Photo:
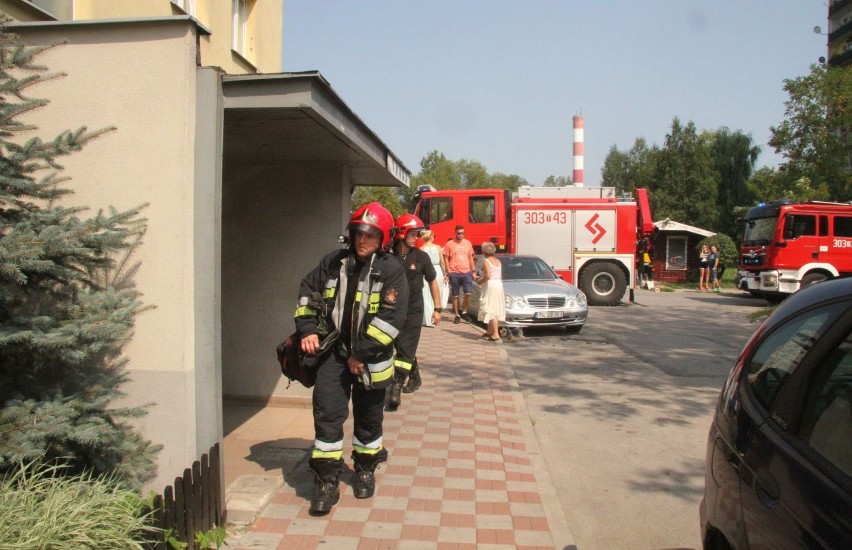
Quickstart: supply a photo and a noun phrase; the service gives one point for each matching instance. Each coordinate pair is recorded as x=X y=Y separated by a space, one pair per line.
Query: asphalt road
x=621 y=412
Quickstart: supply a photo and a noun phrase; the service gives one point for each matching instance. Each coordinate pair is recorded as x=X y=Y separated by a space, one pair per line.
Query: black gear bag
x=299 y=366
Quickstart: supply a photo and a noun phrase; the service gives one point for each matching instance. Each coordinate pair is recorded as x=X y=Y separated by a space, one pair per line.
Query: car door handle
x=766 y=489
x=733 y=461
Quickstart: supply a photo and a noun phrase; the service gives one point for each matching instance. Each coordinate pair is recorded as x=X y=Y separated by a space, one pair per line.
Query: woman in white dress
x=440 y=264
x=492 y=304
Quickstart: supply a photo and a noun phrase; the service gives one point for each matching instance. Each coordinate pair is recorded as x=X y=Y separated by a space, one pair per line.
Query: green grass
x=42 y=509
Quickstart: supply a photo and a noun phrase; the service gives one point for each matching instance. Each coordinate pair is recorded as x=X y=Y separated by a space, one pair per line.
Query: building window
x=676 y=253
x=240 y=30
x=188 y=6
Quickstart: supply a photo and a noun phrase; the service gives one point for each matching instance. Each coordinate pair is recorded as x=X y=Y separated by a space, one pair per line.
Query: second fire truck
x=787 y=245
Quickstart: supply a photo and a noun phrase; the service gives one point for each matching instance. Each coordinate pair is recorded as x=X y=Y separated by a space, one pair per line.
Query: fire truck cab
x=788 y=245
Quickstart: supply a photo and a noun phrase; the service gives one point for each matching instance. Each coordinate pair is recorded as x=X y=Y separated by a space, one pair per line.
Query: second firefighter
x=418 y=268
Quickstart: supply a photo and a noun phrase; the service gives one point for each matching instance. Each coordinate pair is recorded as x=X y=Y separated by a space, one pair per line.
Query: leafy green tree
x=770 y=184
x=66 y=306
x=814 y=136
x=630 y=170
x=557 y=181
x=504 y=181
x=473 y=174
x=684 y=187
x=390 y=197
x=439 y=172
x=734 y=156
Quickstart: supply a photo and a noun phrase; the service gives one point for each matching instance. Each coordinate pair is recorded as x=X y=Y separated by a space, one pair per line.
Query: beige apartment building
x=247 y=173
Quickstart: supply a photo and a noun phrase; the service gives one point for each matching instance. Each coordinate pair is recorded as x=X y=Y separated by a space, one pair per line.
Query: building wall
x=264 y=24
x=141 y=78
x=270 y=240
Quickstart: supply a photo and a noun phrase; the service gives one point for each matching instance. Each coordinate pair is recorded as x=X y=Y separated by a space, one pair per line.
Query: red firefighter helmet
x=406 y=223
x=372 y=217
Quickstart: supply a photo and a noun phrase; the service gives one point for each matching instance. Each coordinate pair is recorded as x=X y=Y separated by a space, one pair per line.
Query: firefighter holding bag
x=365 y=297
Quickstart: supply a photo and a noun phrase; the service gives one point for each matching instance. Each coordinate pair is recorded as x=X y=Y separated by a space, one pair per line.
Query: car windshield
x=526 y=269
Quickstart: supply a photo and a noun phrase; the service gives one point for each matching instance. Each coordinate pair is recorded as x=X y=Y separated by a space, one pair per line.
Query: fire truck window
x=441 y=209
x=800 y=226
x=823 y=226
x=481 y=209
x=842 y=226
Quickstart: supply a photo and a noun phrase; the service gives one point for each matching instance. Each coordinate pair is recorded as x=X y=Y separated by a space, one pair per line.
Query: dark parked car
x=535 y=295
x=778 y=472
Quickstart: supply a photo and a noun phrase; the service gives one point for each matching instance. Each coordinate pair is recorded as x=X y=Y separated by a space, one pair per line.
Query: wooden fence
x=192 y=504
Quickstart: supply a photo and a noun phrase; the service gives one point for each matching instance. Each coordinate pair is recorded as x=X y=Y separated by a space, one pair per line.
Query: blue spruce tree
x=67 y=304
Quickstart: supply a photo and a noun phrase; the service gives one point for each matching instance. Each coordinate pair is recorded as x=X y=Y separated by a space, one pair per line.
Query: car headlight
x=581 y=299
x=514 y=303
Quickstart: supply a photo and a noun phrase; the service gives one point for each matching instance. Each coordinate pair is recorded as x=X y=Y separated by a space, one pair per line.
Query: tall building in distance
x=840 y=33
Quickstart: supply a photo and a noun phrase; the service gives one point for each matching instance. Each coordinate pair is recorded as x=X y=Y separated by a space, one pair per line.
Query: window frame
x=670 y=240
x=239 y=27
x=188 y=6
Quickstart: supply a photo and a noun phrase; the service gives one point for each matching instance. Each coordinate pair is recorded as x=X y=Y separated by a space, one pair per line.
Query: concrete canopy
x=286 y=117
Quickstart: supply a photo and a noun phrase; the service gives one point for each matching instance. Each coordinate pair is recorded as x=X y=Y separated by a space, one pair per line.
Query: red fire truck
x=787 y=245
x=588 y=235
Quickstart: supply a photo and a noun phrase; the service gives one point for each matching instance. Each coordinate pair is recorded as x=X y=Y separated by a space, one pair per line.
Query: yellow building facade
x=244 y=35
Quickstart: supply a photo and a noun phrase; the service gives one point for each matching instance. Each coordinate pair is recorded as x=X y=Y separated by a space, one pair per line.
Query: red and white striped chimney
x=578 y=150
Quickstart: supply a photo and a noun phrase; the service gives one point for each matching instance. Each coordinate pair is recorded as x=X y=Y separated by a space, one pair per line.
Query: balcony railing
x=841 y=32
x=837 y=6
x=840 y=60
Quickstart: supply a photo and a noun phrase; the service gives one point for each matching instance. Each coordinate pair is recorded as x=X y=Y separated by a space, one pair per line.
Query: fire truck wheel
x=812 y=279
x=603 y=283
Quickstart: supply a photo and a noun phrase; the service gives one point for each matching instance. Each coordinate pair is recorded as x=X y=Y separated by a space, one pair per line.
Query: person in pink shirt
x=459 y=255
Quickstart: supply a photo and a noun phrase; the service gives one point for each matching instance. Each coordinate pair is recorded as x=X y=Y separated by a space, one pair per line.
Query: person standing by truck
x=459 y=255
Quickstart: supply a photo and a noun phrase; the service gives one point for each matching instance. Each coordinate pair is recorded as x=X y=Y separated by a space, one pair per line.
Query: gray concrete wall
x=278 y=221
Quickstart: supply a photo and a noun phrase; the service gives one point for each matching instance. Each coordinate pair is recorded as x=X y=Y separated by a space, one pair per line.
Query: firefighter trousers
x=334 y=388
x=406 y=344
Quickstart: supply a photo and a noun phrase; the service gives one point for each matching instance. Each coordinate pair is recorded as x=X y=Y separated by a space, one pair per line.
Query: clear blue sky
x=499 y=81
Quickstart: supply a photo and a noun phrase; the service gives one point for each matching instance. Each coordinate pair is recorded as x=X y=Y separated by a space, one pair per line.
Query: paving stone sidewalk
x=464 y=468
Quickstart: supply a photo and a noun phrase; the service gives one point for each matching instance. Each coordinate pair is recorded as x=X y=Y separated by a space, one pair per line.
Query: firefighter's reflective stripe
x=330 y=289
x=403 y=365
x=375 y=299
x=371 y=448
x=382 y=331
x=303 y=310
x=380 y=372
x=327 y=450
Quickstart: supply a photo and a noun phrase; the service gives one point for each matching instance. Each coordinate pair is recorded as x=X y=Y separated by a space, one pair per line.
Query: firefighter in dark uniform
x=360 y=291
x=418 y=267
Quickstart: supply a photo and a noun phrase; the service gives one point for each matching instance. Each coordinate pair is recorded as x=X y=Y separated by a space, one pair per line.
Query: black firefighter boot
x=414 y=381
x=326 y=491
x=395 y=390
x=364 y=481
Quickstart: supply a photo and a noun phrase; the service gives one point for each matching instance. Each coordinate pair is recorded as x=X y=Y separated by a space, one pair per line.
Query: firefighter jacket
x=378 y=309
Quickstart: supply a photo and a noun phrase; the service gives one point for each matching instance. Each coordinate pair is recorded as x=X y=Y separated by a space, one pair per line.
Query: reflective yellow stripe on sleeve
x=305 y=311
x=380 y=372
x=379 y=335
x=404 y=365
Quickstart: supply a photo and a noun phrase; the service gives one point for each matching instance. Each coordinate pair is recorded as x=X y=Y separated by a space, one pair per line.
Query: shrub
x=42 y=508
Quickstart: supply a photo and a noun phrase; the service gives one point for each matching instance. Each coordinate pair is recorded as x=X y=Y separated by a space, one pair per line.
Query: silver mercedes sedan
x=535 y=295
